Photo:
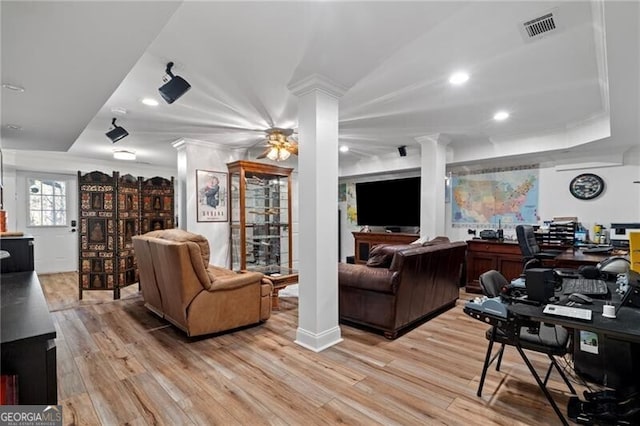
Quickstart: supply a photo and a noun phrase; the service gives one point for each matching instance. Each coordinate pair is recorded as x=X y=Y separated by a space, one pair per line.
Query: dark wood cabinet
x=483 y=255
x=366 y=240
x=21 y=250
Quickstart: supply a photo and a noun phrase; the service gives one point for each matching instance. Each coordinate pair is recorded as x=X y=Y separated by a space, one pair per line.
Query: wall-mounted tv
x=389 y=202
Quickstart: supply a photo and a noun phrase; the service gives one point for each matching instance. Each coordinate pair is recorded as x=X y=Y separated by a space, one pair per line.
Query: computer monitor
x=633 y=289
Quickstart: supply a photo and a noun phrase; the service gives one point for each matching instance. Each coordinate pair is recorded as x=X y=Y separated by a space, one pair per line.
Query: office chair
x=551 y=340
x=531 y=252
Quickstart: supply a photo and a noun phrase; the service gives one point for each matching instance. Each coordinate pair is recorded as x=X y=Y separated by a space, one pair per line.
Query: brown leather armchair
x=179 y=284
x=401 y=285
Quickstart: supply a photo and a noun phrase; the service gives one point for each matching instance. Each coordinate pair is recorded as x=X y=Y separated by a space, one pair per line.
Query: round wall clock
x=586 y=186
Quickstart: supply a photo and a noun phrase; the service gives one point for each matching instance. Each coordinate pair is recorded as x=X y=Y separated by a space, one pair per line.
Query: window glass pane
x=47 y=218
x=47 y=188
x=34 y=219
x=61 y=188
x=61 y=218
x=35 y=202
x=59 y=203
x=47 y=202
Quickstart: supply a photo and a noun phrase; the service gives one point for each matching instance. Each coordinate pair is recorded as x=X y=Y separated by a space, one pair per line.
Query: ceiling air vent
x=539 y=27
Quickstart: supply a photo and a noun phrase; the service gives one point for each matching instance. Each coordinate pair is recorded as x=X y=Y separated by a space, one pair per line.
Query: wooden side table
x=280 y=277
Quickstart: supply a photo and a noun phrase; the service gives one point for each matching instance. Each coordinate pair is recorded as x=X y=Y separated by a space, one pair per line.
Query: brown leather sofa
x=401 y=285
x=179 y=284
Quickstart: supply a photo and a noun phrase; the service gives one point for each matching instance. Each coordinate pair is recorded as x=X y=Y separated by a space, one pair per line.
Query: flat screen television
x=389 y=202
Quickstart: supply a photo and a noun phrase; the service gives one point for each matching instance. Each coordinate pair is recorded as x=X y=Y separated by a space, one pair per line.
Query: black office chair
x=523 y=335
x=531 y=252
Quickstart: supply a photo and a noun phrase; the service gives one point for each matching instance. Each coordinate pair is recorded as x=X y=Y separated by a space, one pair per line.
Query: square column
x=318 y=326
x=433 y=170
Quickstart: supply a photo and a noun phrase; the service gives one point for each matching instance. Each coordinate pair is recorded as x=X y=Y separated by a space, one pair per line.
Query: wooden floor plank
x=118 y=363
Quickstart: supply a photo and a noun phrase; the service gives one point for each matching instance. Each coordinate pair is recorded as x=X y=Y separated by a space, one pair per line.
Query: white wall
x=16 y=162
x=199 y=156
x=205 y=156
x=619 y=203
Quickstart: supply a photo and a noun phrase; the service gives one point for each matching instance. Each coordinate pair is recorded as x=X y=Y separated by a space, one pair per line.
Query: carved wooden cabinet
x=483 y=255
x=260 y=216
x=366 y=240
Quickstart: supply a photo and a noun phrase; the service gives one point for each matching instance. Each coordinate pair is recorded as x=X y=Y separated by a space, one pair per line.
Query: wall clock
x=586 y=186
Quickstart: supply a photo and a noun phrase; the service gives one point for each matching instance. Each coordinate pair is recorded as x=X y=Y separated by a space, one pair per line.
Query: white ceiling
x=78 y=60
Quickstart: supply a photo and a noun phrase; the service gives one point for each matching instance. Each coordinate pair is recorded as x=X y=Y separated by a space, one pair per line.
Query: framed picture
x=212 y=196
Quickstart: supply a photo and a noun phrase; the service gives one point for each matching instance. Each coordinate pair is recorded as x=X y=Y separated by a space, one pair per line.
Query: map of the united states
x=488 y=198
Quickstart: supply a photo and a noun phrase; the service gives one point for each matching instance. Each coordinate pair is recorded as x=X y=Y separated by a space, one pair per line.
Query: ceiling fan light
x=273 y=154
x=283 y=154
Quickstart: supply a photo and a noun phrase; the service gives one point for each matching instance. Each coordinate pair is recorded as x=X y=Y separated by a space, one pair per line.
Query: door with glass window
x=49 y=213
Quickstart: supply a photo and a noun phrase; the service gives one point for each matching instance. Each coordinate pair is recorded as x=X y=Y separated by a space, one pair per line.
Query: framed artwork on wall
x=212 y=196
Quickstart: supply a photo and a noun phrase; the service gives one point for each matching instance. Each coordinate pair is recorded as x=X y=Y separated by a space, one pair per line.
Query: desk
x=571 y=258
x=506 y=258
x=623 y=327
x=612 y=363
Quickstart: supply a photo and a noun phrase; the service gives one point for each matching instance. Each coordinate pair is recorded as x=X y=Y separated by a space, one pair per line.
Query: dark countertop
x=24 y=314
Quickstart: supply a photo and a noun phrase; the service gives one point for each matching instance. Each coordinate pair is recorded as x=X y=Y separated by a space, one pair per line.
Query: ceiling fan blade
x=264 y=154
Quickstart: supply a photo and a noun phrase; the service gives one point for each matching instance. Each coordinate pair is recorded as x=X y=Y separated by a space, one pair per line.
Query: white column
x=181 y=183
x=318 y=326
x=433 y=170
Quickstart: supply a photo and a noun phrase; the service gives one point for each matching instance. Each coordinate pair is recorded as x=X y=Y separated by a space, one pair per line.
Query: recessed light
x=458 y=78
x=13 y=127
x=13 y=87
x=124 y=155
x=150 y=102
x=119 y=110
x=344 y=148
x=501 y=115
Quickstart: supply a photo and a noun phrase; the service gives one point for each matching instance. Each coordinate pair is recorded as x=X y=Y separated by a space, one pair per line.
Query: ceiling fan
x=279 y=145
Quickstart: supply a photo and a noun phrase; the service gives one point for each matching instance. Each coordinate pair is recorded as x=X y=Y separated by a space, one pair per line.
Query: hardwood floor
x=120 y=364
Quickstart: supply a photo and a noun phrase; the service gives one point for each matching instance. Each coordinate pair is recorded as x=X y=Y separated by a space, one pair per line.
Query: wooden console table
x=366 y=240
x=28 y=339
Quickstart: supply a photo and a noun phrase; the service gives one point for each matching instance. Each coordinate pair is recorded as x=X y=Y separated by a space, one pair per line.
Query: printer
x=619 y=234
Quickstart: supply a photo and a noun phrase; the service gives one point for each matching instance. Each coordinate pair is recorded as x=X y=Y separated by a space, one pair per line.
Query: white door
x=55 y=247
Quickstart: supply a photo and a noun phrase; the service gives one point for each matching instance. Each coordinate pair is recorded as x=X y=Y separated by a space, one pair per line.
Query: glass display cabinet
x=260 y=201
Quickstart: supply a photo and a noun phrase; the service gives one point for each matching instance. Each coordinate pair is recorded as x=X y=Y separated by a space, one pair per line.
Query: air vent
x=539 y=27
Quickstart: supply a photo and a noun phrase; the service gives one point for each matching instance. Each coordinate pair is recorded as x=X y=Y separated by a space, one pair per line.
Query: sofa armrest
x=228 y=282
x=364 y=277
x=267 y=287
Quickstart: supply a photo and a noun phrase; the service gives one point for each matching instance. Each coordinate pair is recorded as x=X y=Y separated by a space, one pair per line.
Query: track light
x=174 y=88
x=402 y=150
x=117 y=132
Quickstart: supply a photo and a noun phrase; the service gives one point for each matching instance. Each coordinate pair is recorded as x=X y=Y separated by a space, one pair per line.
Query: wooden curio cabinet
x=260 y=216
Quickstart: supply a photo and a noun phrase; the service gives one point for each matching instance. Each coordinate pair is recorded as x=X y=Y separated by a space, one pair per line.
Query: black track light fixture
x=117 y=132
x=174 y=88
x=402 y=150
